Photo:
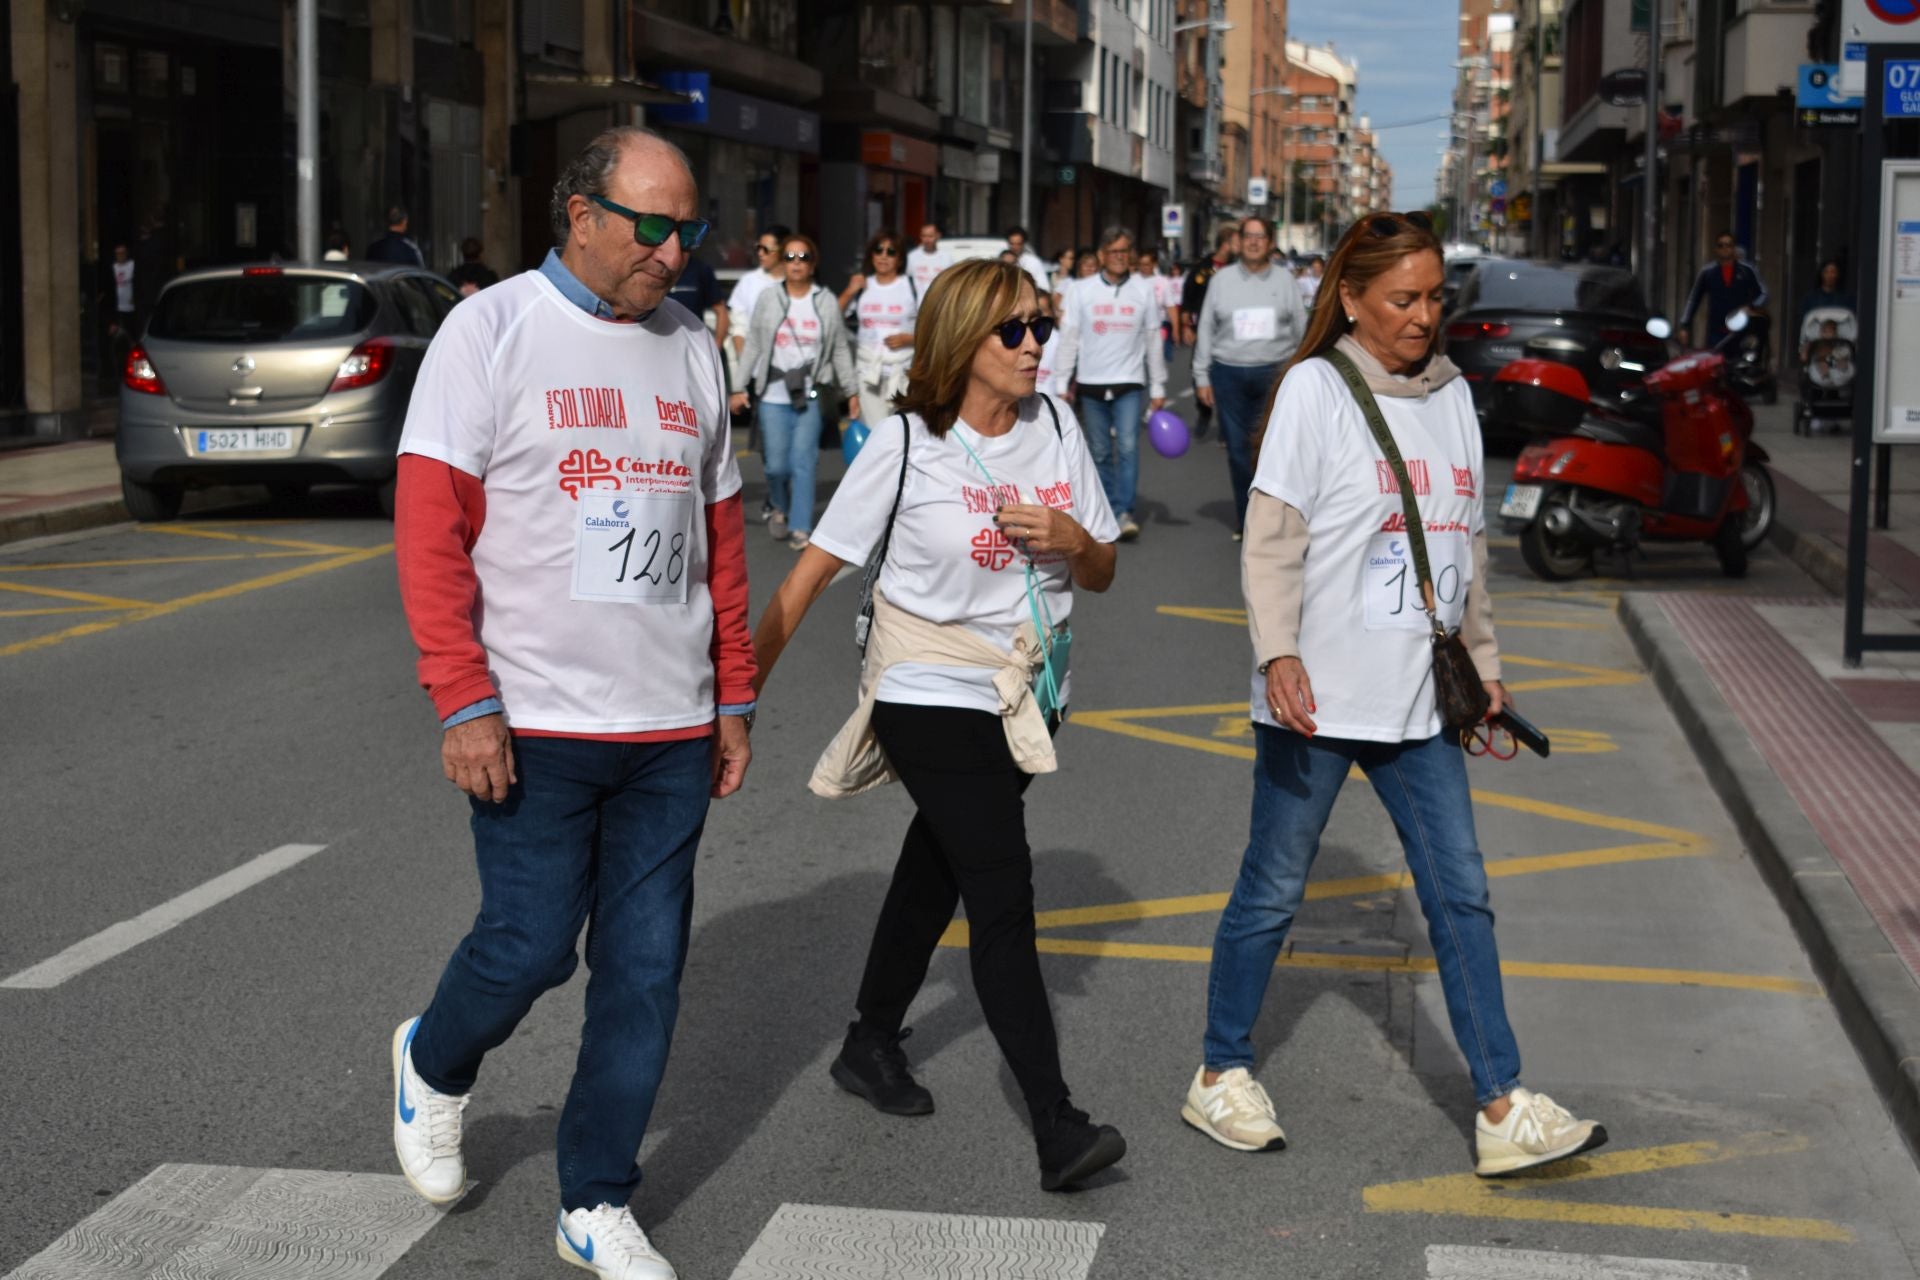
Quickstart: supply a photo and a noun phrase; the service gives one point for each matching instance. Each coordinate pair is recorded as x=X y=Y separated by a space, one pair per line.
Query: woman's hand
x=1204 y=395
x=895 y=341
x=1041 y=528
x=1498 y=699
x=737 y=402
x=1290 y=695
x=853 y=407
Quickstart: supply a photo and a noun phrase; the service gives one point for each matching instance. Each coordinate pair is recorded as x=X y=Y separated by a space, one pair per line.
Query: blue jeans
x=1239 y=394
x=790 y=440
x=1424 y=788
x=604 y=832
x=1113 y=438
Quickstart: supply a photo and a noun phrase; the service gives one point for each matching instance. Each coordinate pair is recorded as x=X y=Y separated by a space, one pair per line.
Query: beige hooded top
x=1273 y=562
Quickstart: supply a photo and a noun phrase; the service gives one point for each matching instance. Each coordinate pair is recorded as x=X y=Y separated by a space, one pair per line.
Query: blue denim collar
x=573 y=291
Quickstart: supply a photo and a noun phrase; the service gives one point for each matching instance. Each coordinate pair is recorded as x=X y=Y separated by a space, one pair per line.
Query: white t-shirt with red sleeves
x=1363 y=633
x=886 y=310
x=796 y=343
x=948 y=561
x=600 y=445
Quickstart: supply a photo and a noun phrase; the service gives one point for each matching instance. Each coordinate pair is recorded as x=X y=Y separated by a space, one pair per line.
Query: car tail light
x=1473 y=330
x=367 y=365
x=261 y=271
x=140 y=375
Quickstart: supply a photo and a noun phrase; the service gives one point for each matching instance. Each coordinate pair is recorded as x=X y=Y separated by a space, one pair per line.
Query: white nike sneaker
x=426 y=1126
x=1236 y=1112
x=608 y=1242
x=1536 y=1131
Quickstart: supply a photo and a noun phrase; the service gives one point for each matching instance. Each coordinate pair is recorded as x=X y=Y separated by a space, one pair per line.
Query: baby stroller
x=1827 y=336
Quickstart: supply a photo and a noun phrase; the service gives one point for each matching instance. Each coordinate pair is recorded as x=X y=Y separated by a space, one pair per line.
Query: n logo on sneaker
x=586 y=1254
x=406 y=1050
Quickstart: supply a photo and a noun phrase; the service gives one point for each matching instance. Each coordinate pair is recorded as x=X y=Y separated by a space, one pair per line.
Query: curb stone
x=100 y=512
x=1825 y=562
x=1877 y=999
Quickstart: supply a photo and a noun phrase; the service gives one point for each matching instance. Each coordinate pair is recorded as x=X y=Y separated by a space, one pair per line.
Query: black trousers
x=967 y=843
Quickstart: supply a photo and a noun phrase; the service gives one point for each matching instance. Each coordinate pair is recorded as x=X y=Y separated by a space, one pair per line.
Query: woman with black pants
x=986 y=511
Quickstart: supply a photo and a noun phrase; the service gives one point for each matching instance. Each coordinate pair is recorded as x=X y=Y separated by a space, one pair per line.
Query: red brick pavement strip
x=1883 y=701
x=1862 y=799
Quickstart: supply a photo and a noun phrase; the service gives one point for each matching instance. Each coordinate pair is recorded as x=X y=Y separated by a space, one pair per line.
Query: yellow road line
x=83 y=597
x=1232 y=617
x=199 y=598
x=1543 y=624
x=1464 y=1195
x=143 y=561
x=68 y=608
x=196 y=531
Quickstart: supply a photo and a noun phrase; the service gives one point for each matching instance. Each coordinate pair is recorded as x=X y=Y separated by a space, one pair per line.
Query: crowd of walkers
x=981 y=503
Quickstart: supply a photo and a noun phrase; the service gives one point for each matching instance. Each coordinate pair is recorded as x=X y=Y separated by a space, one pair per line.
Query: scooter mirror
x=1737 y=321
x=1659 y=328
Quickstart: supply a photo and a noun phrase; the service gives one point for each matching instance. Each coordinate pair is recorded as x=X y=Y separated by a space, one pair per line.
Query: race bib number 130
x=1393 y=581
x=632 y=548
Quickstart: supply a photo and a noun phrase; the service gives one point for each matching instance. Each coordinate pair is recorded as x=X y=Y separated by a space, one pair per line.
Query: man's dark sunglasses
x=1014 y=332
x=1388 y=225
x=654 y=229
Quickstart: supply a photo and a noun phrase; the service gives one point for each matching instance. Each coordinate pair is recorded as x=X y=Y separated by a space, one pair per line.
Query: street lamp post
x=307 y=129
x=1026 y=120
x=1215 y=22
x=1286 y=167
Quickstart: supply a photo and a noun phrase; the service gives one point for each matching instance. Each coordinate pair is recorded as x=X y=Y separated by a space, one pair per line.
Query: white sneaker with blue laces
x=426 y=1126
x=608 y=1242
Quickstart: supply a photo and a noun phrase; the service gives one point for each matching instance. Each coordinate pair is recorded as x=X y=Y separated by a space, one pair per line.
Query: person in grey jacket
x=1249 y=327
x=795 y=342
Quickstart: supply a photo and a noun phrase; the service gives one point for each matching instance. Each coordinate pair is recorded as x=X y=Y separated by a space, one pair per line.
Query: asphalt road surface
x=180 y=700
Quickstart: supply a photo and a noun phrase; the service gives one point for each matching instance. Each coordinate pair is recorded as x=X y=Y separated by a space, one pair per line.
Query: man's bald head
x=593 y=171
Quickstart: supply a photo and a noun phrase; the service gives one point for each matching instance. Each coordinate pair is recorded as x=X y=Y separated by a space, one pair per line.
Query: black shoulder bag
x=1457 y=688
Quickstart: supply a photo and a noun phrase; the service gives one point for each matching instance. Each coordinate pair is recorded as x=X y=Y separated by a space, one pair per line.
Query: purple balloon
x=1167 y=433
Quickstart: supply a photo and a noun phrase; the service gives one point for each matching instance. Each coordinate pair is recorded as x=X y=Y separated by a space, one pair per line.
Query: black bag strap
x=1370 y=409
x=899 y=491
x=1053 y=413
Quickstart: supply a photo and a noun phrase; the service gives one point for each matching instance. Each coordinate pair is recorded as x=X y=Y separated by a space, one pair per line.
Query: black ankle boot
x=1072 y=1148
x=872 y=1064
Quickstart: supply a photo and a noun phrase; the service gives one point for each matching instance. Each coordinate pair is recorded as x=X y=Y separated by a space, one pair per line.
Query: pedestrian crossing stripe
x=1474 y=1262
x=804 y=1240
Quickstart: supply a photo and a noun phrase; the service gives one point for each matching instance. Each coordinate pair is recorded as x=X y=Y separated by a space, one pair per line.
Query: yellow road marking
x=197 y=531
x=1584 y=676
x=83 y=597
x=1581 y=742
x=68 y=608
x=1468 y=1196
x=1232 y=617
x=144 y=613
x=1504 y=622
x=143 y=561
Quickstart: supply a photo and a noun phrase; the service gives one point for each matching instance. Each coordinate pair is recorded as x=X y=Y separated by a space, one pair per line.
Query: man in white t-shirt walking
x=566 y=461
x=927 y=259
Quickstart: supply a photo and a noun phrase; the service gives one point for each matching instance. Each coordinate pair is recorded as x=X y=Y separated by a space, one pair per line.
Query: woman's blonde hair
x=962 y=307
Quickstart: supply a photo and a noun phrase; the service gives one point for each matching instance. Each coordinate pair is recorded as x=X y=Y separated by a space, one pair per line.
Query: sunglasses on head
x=798 y=257
x=1014 y=332
x=655 y=229
x=1388 y=225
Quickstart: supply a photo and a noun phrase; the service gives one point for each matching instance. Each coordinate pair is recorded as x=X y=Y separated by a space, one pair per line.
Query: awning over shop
x=551 y=95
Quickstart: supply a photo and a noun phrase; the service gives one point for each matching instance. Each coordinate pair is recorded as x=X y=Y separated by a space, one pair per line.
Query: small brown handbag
x=1457 y=689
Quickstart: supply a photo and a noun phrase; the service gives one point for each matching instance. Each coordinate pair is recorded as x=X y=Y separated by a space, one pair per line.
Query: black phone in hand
x=1524 y=732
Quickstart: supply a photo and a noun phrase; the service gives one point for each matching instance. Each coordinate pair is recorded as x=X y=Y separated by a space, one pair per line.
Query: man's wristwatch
x=747 y=720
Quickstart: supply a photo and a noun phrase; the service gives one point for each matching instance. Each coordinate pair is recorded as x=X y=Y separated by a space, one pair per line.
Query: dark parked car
x=286 y=376
x=1590 y=317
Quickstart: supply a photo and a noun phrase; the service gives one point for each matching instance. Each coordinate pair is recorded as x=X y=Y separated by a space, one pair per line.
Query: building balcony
x=661 y=42
x=1055 y=22
x=1762 y=47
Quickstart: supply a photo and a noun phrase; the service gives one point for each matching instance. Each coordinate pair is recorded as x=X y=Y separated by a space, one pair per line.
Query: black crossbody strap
x=900 y=489
x=1053 y=413
x=1370 y=409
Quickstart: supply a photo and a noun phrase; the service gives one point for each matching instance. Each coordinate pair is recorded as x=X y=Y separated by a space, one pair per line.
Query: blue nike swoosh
x=586 y=1254
x=406 y=1112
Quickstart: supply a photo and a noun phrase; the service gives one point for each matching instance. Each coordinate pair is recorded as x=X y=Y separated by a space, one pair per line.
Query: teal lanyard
x=1036 y=598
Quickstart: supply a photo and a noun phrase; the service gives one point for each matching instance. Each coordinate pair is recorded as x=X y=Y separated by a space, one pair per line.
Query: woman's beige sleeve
x=1273 y=575
x=1476 y=623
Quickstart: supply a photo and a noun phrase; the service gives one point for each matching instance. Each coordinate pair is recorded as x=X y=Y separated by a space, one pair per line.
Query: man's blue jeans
x=1239 y=394
x=790 y=441
x=1113 y=438
x=1424 y=788
x=599 y=832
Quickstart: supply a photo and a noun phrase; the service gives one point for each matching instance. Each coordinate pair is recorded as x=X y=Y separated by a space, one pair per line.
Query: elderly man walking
x=572 y=563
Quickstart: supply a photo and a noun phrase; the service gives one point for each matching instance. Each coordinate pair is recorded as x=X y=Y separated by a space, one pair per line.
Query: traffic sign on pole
x=1173 y=221
x=1257 y=192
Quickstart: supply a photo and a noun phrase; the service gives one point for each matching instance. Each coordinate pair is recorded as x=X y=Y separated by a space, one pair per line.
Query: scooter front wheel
x=1757 y=520
x=1553 y=559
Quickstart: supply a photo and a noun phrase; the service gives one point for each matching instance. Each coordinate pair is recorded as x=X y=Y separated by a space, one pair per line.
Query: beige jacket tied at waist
x=853 y=762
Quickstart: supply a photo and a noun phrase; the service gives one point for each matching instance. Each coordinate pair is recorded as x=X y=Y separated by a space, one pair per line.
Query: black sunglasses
x=1388 y=225
x=799 y=257
x=655 y=229
x=1014 y=332
x=887 y=249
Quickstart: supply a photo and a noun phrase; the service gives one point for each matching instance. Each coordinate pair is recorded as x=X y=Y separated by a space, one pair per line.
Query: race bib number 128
x=632 y=548
x=1393 y=581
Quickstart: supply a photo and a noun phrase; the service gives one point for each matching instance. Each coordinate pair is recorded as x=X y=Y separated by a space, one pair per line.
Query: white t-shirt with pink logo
x=948 y=561
x=796 y=343
x=886 y=310
x=924 y=266
x=1363 y=634
x=600 y=446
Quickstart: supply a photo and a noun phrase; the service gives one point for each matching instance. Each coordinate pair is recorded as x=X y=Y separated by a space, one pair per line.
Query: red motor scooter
x=1677 y=464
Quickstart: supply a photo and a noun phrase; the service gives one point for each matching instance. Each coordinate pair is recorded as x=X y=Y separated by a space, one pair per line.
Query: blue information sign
x=1820 y=89
x=1903 y=91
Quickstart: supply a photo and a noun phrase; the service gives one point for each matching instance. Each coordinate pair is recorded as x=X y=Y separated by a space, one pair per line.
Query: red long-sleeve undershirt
x=439 y=511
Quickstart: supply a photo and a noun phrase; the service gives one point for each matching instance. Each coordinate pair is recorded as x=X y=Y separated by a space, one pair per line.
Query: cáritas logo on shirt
x=591 y=469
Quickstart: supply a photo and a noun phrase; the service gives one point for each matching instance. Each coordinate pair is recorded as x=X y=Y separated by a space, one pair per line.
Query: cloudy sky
x=1405 y=49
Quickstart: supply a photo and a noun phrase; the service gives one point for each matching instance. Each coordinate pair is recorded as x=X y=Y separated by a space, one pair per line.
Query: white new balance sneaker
x=426 y=1126
x=1236 y=1112
x=1536 y=1131
x=608 y=1242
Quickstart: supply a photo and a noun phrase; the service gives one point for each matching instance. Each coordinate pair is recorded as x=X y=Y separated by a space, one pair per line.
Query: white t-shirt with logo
x=924 y=266
x=600 y=446
x=1363 y=634
x=1116 y=332
x=948 y=561
x=796 y=343
x=746 y=292
x=886 y=310
x=123 y=285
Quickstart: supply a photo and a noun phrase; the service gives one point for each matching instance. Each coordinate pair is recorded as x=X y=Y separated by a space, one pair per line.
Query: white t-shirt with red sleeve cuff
x=603 y=453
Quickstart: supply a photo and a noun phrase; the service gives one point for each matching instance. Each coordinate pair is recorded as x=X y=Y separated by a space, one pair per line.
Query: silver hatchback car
x=282 y=375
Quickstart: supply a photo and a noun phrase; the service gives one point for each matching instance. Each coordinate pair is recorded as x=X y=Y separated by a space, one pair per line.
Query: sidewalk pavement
x=1818 y=764
x=61 y=488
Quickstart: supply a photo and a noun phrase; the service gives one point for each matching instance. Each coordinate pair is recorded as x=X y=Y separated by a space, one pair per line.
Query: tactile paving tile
x=1472 y=1262
x=819 y=1242
x=213 y=1222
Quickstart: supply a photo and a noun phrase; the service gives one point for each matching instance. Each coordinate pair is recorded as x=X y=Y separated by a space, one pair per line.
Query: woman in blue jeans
x=1350 y=614
x=797 y=351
